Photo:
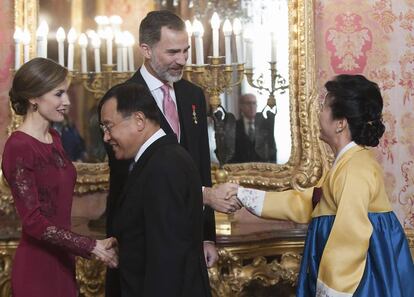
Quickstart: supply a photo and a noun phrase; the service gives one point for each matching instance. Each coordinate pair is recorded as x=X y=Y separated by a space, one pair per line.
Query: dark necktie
x=250 y=131
x=131 y=166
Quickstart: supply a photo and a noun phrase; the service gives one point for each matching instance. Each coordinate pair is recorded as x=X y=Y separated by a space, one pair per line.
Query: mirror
x=303 y=166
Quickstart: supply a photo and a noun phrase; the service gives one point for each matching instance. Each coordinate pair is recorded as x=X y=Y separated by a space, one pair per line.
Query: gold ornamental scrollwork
x=92 y=177
x=90 y=275
x=230 y=276
x=7 y=250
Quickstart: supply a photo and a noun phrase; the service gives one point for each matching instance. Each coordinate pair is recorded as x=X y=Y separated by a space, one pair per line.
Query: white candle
x=41 y=36
x=102 y=22
x=60 y=37
x=273 y=51
x=109 y=35
x=118 y=41
x=115 y=21
x=237 y=30
x=190 y=33
x=45 y=41
x=72 y=35
x=129 y=40
x=249 y=49
x=215 y=25
x=17 y=36
x=124 y=58
x=227 y=30
x=83 y=43
x=198 y=32
x=26 y=45
x=96 y=44
x=124 y=42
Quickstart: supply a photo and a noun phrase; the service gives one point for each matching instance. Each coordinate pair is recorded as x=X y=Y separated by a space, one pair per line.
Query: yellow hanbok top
x=352 y=188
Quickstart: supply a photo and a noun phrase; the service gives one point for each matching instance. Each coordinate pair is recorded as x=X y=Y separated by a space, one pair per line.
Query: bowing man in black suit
x=164 y=44
x=158 y=217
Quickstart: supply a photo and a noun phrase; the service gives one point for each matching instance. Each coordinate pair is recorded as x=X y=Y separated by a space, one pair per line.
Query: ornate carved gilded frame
x=304 y=166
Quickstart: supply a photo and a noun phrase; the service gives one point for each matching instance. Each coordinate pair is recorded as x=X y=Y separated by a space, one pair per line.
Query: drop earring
x=35 y=107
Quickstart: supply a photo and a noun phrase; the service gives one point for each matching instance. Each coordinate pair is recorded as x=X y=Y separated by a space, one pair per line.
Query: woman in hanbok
x=42 y=179
x=355 y=245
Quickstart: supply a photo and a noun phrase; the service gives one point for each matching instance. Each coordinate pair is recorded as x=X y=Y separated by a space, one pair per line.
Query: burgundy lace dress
x=42 y=179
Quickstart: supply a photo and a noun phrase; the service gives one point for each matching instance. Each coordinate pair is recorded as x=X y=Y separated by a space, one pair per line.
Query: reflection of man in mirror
x=254 y=133
x=163 y=42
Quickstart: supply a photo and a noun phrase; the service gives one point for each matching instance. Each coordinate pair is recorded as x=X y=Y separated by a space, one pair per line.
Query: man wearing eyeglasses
x=158 y=218
x=182 y=106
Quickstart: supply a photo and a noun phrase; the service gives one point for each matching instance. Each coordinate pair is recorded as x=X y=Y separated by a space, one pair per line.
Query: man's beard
x=163 y=73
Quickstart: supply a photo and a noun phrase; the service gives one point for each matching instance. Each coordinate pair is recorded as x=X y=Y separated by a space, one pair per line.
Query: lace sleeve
x=251 y=199
x=77 y=244
x=18 y=169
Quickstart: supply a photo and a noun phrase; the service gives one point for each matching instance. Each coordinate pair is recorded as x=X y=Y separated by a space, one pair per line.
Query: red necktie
x=170 y=110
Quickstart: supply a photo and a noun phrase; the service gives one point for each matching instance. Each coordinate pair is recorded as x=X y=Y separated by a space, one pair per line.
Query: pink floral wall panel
x=376 y=39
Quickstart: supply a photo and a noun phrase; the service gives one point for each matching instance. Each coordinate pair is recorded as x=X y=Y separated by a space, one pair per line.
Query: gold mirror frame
x=305 y=164
x=304 y=167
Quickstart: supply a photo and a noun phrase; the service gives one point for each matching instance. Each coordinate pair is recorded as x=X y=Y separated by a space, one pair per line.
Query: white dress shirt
x=157 y=135
x=154 y=85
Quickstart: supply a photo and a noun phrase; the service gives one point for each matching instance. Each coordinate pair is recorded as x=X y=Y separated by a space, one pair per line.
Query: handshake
x=229 y=197
x=106 y=250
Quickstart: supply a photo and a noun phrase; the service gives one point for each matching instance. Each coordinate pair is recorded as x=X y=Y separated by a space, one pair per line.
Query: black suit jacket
x=194 y=139
x=262 y=148
x=158 y=224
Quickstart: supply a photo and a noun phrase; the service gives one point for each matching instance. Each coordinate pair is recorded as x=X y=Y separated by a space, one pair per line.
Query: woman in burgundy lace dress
x=42 y=179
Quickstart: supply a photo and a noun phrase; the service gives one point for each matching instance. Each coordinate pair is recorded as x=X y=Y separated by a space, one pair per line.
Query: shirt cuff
x=202 y=191
x=252 y=199
x=209 y=241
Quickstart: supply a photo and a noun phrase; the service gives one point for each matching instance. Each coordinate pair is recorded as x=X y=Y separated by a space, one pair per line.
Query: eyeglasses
x=107 y=128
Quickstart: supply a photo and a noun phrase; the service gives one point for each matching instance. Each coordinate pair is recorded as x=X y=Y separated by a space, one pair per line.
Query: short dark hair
x=132 y=97
x=34 y=79
x=359 y=101
x=150 y=27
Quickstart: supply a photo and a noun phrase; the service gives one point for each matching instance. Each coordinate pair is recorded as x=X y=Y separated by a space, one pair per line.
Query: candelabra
x=97 y=83
x=277 y=83
x=214 y=78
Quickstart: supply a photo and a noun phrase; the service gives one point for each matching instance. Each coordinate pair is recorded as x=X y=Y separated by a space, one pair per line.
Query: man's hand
x=222 y=198
x=106 y=250
x=210 y=253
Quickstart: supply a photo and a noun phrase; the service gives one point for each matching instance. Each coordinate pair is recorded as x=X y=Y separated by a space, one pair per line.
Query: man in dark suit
x=158 y=217
x=254 y=133
x=164 y=45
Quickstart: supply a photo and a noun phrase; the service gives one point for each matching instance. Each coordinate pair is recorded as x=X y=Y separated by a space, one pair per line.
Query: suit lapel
x=184 y=112
x=142 y=161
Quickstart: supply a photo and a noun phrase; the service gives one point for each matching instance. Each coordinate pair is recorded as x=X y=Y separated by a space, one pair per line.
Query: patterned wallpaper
x=376 y=39
x=372 y=37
